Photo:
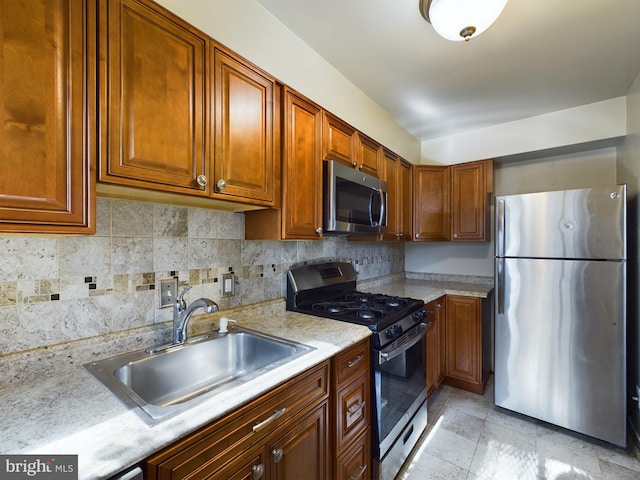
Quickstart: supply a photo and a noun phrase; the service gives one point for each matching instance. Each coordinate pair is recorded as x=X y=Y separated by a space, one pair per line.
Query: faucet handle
x=180 y=302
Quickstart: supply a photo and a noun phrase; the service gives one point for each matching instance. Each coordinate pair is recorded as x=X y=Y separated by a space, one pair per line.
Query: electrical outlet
x=168 y=292
x=228 y=284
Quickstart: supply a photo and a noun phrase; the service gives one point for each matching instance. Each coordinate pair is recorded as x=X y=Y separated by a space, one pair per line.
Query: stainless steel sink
x=167 y=382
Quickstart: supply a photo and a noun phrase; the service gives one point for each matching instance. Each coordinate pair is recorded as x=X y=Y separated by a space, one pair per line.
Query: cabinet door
x=302 y=451
x=468 y=200
x=46 y=179
x=464 y=339
x=245 y=166
x=405 y=213
x=431 y=203
x=353 y=410
x=355 y=464
x=250 y=465
x=338 y=140
x=369 y=155
x=302 y=169
x=436 y=346
x=394 y=195
x=153 y=93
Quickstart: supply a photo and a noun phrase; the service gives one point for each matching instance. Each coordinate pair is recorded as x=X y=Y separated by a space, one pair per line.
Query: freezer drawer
x=560 y=343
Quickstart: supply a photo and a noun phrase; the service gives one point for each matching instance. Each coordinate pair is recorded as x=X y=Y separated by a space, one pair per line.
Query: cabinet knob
x=319 y=230
x=202 y=180
x=417 y=235
x=455 y=235
x=354 y=164
x=221 y=184
x=277 y=454
x=257 y=471
x=360 y=167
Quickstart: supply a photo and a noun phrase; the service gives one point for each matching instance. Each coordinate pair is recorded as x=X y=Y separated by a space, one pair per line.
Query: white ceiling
x=540 y=56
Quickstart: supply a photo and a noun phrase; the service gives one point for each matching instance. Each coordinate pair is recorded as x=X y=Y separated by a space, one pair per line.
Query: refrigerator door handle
x=500 y=229
x=500 y=284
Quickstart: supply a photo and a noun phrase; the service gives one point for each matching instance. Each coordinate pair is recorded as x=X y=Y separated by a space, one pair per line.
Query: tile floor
x=469 y=439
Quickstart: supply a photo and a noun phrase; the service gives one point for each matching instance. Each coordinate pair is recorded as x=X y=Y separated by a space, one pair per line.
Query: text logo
x=39 y=467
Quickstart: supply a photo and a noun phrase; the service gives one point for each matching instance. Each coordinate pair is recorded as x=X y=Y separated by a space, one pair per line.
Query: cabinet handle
x=202 y=180
x=277 y=454
x=319 y=230
x=257 y=471
x=259 y=426
x=360 y=473
x=356 y=408
x=221 y=184
x=355 y=361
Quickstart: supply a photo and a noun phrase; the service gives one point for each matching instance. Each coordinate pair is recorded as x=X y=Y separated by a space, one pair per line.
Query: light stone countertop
x=50 y=405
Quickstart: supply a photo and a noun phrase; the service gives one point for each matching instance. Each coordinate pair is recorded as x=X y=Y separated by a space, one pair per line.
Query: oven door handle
x=385 y=356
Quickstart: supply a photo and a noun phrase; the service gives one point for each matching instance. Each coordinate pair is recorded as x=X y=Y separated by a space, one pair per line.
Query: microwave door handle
x=383 y=206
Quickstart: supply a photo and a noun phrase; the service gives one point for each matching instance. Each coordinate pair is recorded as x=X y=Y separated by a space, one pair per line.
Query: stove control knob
x=389 y=333
x=399 y=330
x=419 y=316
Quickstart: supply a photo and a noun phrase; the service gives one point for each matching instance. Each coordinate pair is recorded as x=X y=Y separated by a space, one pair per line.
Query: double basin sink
x=172 y=379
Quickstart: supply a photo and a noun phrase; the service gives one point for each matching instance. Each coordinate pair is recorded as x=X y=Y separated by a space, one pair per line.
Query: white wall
x=587 y=123
x=251 y=31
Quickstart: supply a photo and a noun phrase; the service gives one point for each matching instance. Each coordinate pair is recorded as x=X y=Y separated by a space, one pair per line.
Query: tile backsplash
x=59 y=289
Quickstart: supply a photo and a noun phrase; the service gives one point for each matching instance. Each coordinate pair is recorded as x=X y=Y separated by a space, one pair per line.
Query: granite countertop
x=50 y=405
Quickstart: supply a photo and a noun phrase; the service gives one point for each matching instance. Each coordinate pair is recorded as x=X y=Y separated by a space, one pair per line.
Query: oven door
x=400 y=384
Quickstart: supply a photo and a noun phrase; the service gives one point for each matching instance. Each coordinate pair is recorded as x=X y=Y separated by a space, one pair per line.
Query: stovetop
x=329 y=290
x=374 y=310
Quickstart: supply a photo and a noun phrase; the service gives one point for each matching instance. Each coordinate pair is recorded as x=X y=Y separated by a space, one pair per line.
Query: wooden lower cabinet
x=355 y=462
x=435 y=339
x=352 y=414
x=293 y=417
x=466 y=362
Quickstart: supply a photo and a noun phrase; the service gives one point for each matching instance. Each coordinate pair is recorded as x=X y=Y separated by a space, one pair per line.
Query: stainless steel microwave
x=355 y=203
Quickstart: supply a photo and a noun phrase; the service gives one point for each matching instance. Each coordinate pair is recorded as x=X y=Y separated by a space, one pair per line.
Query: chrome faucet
x=182 y=313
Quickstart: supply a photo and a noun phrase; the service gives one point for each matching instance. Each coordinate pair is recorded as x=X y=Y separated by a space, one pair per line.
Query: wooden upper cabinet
x=450 y=203
x=390 y=169
x=431 y=203
x=405 y=213
x=398 y=175
x=152 y=91
x=246 y=159
x=301 y=214
x=47 y=135
x=470 y=183
x=339 y=140
x=302 y=168
x=368 y=155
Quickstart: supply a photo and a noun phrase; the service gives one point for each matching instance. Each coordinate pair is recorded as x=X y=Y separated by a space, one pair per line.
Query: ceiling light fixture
x=461 y=19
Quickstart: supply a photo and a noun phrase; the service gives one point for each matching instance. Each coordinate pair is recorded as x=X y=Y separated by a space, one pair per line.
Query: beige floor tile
x=469 y=402
x=429 y=467
x=461 y=423
x=497 y=460
x=612 y=471
x=524 y=425
x=450 y=447
x=496 y=434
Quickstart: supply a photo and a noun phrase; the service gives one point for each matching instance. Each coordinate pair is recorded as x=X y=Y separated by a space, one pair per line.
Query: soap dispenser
x=224 y=321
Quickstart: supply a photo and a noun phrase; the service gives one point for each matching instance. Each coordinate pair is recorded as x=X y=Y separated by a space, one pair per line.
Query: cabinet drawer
x=355 y=463
x=211 y=447
x=352 y=361
x=353 y=410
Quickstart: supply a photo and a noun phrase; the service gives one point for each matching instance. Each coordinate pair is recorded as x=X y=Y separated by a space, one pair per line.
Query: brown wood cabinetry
x=246 y=140
x=436 y=346
x=450 y=203
x=398 y=175
x=464 y=365
x=369 y=155
x=47 y=140
x=180 y=113
x=301 y=214
x=470 y=183
x=153 y=92
x=280 y=434
x=431 y=215
x=339 y=140
x=352 y=433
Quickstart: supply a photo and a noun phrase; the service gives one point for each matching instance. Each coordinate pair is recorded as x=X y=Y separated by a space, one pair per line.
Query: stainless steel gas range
x=398 y=352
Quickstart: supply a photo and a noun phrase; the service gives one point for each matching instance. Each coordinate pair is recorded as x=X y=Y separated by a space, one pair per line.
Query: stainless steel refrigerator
x=560 y=318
